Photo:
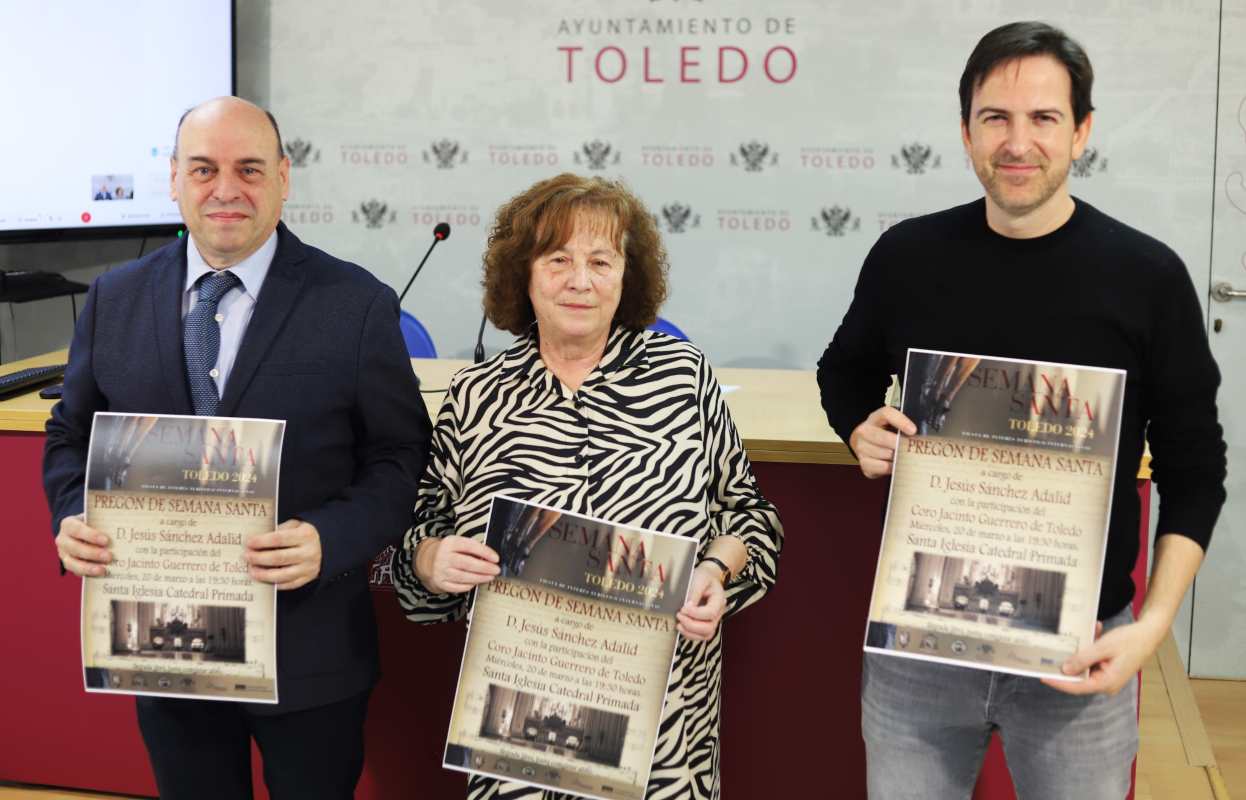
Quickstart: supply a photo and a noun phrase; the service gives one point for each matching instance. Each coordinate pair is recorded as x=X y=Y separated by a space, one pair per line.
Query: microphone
x=478 y=357
x=441 y=232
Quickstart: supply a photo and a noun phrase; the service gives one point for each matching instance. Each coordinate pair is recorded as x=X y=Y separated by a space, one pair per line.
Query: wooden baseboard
x=1184 y=707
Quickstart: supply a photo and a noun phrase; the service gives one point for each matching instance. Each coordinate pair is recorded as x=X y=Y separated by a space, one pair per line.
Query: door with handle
x=1218 y=624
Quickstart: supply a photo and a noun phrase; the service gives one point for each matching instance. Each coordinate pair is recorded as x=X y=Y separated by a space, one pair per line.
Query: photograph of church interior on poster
x=549 y=724
x=985 y=591
x=178 y=631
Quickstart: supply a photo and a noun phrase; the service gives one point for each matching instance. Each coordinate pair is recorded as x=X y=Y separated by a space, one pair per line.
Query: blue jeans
x=927 y=727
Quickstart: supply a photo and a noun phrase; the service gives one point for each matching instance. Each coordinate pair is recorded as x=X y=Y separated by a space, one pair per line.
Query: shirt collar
x=250 y=271
x=625 y=348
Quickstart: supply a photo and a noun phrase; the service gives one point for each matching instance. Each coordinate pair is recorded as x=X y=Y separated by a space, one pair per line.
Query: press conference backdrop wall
x=774 y=141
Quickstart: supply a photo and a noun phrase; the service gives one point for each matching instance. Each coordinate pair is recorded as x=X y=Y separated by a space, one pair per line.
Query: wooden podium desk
x=792 y=662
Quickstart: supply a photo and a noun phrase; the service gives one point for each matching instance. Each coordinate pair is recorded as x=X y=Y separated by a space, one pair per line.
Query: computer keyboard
x=24 y=380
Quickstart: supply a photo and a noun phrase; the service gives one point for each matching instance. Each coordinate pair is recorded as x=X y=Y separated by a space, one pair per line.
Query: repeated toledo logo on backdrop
x=304 y=214
x=836 y=221
x=677 y=218
x=754 y=156
x=459 y=215
x=374 y=214
x=838 y=159
x=673 y=44
x=384 y=156
x=445 y=154
x=754 y=220
x=670 y=156
x=596 y=155
x=523 y=155
x=916 y=158
x=1090 y=163
x=302 y=153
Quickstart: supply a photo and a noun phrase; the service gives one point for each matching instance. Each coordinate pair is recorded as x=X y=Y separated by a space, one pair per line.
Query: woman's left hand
x=707 y=601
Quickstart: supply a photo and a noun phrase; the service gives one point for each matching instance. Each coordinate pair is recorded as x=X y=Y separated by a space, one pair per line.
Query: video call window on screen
x=112 y=187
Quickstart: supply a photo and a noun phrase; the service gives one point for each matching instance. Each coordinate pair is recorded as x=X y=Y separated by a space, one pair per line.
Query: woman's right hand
x=454 y=564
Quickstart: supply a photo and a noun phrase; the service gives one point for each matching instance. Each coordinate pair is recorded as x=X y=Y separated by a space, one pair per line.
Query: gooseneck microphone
x=478 y=357
x=441 y=232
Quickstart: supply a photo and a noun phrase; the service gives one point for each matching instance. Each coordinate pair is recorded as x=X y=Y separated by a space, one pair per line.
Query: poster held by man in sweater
x=993 y=546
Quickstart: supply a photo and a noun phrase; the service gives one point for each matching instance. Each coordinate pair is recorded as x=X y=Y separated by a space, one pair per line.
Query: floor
x=1223 y=708
x=1193 y=734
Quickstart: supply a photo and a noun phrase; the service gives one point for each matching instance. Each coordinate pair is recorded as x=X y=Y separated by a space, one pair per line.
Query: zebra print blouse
x=647 y=441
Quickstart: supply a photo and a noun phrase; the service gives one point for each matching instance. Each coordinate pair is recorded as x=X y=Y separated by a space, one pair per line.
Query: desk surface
x=28 y=412
x=775 y=410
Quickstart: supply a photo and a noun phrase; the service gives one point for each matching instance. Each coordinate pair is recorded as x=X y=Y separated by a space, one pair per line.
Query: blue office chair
x=669 y=328
x=419 y=343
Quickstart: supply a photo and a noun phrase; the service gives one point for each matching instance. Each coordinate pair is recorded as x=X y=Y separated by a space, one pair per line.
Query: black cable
x=13 y=320
x=142 y=247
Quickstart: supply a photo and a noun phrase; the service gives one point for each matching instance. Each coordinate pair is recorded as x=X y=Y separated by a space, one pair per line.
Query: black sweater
x=1093 y=292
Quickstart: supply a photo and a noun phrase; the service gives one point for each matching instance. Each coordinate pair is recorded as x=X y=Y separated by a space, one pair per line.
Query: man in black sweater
x=1029 y=272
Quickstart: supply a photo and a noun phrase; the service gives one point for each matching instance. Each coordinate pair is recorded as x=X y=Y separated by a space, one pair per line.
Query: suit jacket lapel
x=169 y=279
x=276 y=300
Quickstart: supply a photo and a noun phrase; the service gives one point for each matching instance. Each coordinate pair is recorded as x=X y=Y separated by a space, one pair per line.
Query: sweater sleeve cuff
x=1194 y=519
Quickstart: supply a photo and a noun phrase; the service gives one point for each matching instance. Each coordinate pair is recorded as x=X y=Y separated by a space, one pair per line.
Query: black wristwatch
x=718 y=562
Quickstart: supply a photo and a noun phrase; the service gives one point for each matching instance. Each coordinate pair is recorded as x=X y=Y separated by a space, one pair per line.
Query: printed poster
x=178 y=615
x=993 y=545
x=569 y=652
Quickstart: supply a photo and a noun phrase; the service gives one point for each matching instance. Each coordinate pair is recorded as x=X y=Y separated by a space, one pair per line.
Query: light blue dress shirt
x=234 y=310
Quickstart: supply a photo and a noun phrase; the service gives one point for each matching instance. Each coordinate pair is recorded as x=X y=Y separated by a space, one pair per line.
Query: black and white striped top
x=646 y=441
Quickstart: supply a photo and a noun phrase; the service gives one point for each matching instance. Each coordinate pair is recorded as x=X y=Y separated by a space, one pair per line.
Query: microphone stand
x=428 y=253
x=478 y=357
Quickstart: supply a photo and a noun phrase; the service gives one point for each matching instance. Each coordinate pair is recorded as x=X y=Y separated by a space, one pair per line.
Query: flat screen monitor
x=92 y=95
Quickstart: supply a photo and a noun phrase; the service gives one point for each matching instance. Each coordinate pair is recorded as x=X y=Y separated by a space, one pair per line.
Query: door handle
x=1225 y=292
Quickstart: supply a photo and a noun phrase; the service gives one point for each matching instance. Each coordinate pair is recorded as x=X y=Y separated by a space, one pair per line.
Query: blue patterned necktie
x=202 y=341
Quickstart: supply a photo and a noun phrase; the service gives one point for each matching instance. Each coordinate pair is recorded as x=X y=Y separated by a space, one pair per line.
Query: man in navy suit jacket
x=306 y=338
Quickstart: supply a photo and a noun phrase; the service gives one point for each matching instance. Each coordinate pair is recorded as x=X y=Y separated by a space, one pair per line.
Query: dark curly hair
x=1018 y=40
x=543 y=218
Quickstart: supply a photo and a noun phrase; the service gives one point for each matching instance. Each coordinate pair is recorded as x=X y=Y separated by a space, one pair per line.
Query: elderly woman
x=590 y=412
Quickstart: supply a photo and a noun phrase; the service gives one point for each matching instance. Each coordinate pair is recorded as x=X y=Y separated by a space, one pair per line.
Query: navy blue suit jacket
x=322 y=351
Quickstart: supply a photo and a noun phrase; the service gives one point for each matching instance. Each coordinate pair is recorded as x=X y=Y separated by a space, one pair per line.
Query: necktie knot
x=214 y=285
